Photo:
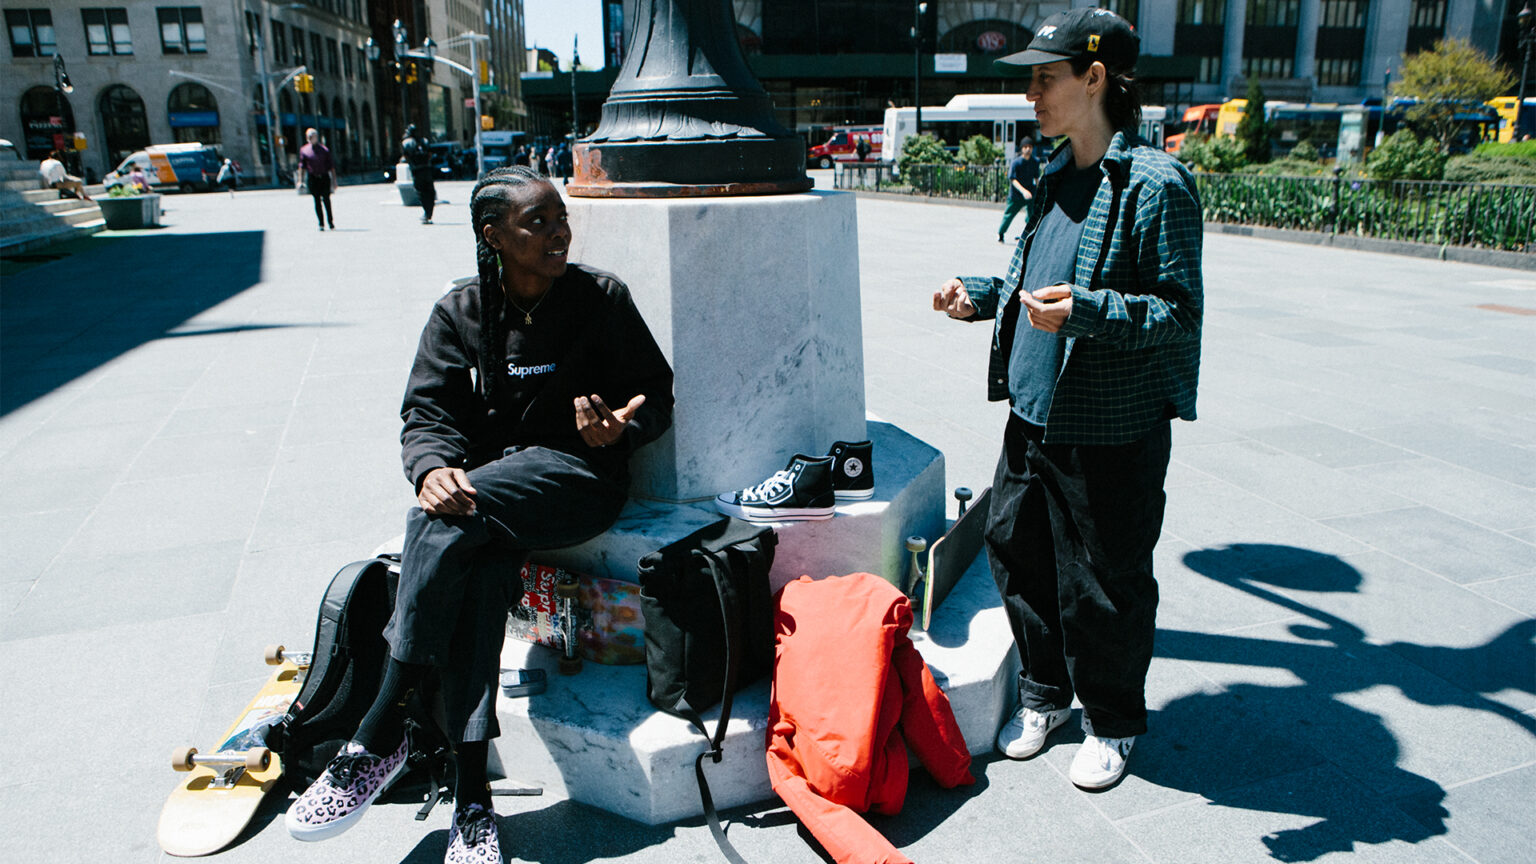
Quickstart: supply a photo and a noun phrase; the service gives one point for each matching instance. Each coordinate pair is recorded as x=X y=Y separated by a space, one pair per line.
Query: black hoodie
x=448 y=422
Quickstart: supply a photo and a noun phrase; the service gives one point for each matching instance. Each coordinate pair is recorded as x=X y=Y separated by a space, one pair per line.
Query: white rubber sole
x=774 y=514
x=316 y=833
x=854 y=494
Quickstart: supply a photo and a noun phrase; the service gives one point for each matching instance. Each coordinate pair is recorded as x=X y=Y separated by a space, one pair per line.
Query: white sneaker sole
x=774 y=514
x=854 y=494
x=316 y=833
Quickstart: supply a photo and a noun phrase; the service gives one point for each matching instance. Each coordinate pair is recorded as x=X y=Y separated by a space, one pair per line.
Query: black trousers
x=426 y=190
x=320 y=190
x=459 y=574
x=1071 y=533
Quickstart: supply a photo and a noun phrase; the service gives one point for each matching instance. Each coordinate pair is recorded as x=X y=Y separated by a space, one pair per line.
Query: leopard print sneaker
x=337 y=799
x=473 y=838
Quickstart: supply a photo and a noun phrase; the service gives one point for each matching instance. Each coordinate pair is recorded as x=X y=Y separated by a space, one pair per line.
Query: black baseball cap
x=1098 y=34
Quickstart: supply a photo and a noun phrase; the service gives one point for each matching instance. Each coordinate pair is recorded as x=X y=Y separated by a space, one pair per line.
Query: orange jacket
x=845 y=675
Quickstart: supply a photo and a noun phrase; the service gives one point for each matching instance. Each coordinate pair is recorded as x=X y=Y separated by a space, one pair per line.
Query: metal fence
x=1449 y=214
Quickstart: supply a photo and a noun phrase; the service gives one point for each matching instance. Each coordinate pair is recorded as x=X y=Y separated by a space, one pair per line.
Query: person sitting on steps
x=512 y=445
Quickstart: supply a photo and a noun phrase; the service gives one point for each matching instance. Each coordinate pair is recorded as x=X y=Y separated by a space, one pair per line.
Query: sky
x=551 y=24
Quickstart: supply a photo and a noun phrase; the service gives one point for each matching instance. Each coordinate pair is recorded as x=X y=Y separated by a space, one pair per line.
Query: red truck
x=843 y=146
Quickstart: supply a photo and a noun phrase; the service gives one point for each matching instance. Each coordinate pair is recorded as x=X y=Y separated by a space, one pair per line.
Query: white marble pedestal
x=594 y=738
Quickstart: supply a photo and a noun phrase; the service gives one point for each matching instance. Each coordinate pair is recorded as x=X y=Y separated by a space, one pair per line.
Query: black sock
x=472 y=785
x=383 y=726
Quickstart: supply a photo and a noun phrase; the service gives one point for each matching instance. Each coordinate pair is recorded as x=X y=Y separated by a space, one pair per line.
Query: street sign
x=488 y=88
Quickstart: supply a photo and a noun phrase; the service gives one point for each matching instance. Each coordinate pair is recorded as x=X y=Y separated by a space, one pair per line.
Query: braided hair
x=489 y=203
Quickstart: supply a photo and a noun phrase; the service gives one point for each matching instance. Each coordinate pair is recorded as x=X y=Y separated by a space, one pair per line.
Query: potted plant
x=130 y=205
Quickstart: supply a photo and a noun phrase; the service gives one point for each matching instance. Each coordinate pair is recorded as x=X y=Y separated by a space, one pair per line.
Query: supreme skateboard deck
x=609 y=626
x=224 y=787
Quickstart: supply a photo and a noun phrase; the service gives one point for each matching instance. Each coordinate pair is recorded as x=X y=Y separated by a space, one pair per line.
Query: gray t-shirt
x=1036 y=360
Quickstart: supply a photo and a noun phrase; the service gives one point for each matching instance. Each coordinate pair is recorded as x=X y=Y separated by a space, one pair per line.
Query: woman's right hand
x=447 y=492
x=952 y=300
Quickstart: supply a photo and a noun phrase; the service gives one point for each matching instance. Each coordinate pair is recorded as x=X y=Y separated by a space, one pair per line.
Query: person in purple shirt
x=318 y=168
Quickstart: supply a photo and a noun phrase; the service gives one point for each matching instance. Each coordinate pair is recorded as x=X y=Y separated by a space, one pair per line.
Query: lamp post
x=61 y=87
x=575 y=64
x=917 y=61
x=1527 y=39
x=398 y=29
x=429 y=53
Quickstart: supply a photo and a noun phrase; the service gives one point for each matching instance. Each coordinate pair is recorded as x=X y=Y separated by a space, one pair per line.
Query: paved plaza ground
x=198 y=427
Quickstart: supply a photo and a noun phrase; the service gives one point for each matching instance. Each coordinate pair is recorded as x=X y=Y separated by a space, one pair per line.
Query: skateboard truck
x=228 y=767
x=277 y=655
x=914 y=586
x=567 y=588
x=963 y=495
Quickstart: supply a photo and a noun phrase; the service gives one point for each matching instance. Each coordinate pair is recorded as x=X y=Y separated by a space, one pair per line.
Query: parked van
x=843 y=146
x=170 y=167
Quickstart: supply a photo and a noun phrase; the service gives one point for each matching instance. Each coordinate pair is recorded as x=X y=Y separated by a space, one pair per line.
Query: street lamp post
x=429 y=52
x=575 y=63
x=1524 y=19
x=61 y=86
x=917 y=62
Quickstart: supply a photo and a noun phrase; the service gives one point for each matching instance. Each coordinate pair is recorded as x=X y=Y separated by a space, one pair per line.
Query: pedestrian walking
x=521 y=453
x=1096 y=347
x=418 y=154
x=229 y=174
x=317 y=172
x=861 y=147
x=1022 y=173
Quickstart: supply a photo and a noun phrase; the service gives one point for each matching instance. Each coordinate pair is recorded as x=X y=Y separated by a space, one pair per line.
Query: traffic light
x=485 y=72
x=304 y=83
x=487 y=122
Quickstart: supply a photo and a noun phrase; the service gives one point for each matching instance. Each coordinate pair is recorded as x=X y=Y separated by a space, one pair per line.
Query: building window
x=1126 y=9
x=194 y=114
x=31 y=32
x=1426 y=25
x=1198 y=32
x=1269 y=39
x=279 y=43
x=125 y=125
x=1341 y=42
x=252 y=32
x=346 y=62
x=317 y=55
x=181 y=30
x=106 y=31
x=298 y=47
x=332 y=56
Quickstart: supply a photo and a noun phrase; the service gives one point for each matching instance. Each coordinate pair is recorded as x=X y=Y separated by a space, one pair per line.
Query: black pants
x=424 y=190
x=459 y=574
x=320 y=190
x=1071 y=533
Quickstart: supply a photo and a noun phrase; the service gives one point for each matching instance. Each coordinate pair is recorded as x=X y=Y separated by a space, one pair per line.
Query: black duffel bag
x=708 y=629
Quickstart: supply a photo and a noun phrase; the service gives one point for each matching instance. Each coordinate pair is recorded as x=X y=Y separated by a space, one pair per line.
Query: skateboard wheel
x=570 y=665
x=182 y=758
x=916 y=543
x=273 y=655
x=963 y=493
x=258 y=760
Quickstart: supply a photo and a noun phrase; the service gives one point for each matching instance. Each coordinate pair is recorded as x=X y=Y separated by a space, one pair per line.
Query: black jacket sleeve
x=441 y=407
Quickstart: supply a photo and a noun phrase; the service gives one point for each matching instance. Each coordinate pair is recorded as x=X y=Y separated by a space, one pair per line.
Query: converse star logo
x=853 y=466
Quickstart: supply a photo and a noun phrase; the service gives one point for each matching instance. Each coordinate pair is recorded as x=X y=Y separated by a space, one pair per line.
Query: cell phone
x=523 y=682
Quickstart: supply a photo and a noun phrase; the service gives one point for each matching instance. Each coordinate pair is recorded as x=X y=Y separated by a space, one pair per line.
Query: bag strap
x=731 y=618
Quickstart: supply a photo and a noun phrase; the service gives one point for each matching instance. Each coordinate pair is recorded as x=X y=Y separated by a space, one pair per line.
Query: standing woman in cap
x=1096 y=347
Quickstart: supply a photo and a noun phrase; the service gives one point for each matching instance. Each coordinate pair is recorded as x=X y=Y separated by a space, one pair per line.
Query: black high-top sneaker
x=801 y=492
x=853 y=470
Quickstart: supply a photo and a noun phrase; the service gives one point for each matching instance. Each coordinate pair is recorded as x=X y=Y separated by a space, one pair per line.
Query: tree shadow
x=1300 y=748
x=109 y=295
x=563 y=833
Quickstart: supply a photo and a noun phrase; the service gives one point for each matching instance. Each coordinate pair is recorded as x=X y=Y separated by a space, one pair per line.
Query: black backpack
x=345 y=671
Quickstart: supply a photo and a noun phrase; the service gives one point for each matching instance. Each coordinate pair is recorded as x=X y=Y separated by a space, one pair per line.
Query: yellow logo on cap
x=1093 y=42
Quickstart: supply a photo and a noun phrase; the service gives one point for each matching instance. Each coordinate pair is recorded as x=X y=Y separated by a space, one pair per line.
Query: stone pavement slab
x=198 y=427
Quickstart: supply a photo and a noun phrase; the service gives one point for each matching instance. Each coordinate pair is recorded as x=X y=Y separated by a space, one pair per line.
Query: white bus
x=1002 y=117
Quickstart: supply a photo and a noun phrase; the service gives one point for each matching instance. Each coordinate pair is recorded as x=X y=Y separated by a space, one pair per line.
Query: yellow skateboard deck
x=224 y=788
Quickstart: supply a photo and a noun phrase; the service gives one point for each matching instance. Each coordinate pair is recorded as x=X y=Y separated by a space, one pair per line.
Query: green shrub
x=1222 y=154
x=1304 y=151
x=1253 y=129
x=1404 y=157
x=1289 y=166
x=1516 y=149
x=979 y=150
x=923 y=150
x=1481 y=168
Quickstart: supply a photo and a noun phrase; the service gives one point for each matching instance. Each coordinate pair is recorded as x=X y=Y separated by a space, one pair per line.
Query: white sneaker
x=1100 y=762
x=1025 y=732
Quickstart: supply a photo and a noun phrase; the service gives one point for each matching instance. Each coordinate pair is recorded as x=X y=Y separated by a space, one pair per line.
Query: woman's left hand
x=1049 y=307
x=600 y=425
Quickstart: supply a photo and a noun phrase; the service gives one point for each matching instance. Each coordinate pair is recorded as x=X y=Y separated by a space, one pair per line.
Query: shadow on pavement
x=109 y=295
x=563 y=833
x=1301 y=748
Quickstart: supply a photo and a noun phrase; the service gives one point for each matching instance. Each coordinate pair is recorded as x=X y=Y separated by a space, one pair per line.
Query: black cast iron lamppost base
x=686 y=118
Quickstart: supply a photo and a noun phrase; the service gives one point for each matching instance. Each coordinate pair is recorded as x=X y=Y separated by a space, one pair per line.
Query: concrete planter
x=134 y=211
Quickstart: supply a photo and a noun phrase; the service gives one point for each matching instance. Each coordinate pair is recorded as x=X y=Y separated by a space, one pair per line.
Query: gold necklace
x=528 y=313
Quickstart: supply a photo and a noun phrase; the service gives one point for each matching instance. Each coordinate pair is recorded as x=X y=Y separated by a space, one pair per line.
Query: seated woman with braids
x=531 y=388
